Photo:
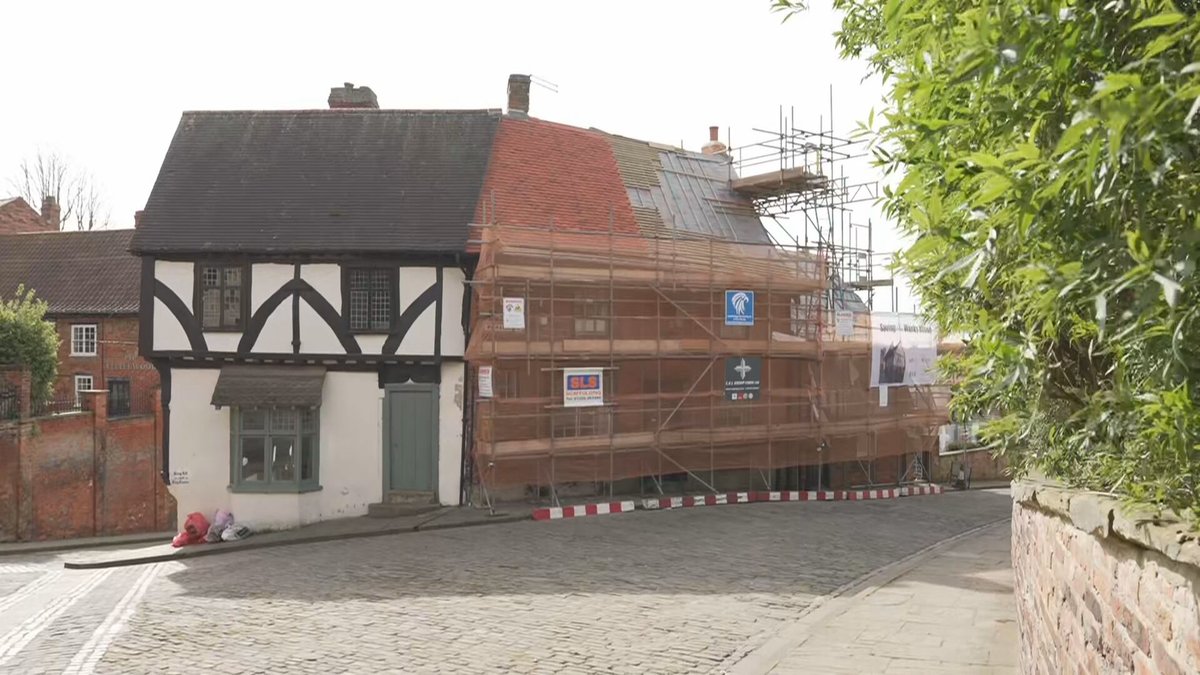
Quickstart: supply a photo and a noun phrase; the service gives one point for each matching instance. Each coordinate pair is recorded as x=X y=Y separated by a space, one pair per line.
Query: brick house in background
x=18 y=217
x=92 y=285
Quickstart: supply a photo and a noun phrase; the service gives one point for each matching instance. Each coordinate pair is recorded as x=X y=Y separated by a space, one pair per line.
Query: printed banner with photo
x=903 y=350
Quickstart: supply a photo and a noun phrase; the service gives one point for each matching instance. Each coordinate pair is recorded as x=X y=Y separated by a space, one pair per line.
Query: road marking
x=84 y=662
x=19 y=568
x=28 y=589
x=16 y=639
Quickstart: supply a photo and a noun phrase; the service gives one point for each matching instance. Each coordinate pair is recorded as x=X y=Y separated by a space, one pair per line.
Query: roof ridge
x=349 y=111
x=53 y=233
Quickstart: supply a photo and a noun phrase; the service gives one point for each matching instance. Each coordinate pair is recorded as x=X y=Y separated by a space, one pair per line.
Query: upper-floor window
x=591 y=317
x=223 y=295
x=83 y=339
x=370 y=299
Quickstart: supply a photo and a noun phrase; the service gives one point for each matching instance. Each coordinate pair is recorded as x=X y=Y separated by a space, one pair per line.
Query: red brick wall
x=17 y=217
x=116 y=357
x=1097 y=591
x=82 y=475
x=980 y=464
x=134 y=498
x=58 y=460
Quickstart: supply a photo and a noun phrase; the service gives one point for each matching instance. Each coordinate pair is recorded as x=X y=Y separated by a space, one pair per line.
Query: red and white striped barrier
x=718 y=499
x=601 y=509
x=914 y=490
x=792 y=496
x=722 y=498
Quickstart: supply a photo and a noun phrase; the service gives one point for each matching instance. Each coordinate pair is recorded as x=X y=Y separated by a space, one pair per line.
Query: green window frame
x=275 y=449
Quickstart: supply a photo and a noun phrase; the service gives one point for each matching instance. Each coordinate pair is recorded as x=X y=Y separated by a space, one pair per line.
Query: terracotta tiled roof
x=543 y=173
x=16 y=217
x=75 y=272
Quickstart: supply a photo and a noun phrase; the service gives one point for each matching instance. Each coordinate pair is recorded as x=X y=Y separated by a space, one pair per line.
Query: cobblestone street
x=692 y=590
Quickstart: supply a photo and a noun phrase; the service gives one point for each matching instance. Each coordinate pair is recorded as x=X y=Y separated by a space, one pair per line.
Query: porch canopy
x=269 y=386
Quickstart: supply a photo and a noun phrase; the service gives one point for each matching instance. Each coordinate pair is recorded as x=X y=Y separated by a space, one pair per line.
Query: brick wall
x=980 y=463
x=1100 y=589
x=81 y=474
x=116 y=357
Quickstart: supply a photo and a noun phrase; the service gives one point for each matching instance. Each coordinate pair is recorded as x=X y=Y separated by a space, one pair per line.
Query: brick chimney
x=51 y=213
x=350 y=96
x=518 y=94
x=137 y=218
x=714 y=146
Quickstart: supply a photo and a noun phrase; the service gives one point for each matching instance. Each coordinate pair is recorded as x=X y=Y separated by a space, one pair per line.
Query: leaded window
x=370 y=299
x=222 y=296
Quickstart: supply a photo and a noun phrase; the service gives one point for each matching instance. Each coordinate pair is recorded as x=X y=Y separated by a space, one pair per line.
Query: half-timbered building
x=303 y=296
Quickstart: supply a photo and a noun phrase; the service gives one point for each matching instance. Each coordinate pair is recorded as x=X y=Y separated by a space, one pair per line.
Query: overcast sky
x=104 y=83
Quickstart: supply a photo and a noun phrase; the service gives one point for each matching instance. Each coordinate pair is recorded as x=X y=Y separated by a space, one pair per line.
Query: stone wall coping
x=964 y=451
x=1104 y=515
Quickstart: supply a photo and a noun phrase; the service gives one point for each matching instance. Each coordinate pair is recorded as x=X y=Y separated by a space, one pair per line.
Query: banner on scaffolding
x=583 y=387
x=903 y=350
x=514 y=313
x=844 y=323
x=739 y=308
x=485 y=382
x=743 y=378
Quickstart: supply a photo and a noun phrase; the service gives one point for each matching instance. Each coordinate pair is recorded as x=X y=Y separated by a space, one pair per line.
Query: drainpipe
x=468 y=428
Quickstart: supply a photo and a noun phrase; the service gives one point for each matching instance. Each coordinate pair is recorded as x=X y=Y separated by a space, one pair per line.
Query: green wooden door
x=412 y=438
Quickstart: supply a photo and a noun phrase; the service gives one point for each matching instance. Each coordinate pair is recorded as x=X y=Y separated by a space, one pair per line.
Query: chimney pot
x=51 y=213
x=518 y=94
x=714 y=146
x=349 y=96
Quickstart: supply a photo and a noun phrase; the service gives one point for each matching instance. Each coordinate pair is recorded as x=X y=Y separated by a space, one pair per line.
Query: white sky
x=104 y=83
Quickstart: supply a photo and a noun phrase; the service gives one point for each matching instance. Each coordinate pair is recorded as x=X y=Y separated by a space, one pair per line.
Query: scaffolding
x=648 y=311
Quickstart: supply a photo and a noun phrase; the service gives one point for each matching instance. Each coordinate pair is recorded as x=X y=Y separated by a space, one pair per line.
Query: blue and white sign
x=739 y=308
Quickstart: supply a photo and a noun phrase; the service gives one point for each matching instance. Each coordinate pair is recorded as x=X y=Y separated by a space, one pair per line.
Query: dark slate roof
x=319 y=181
x=266 y=386
x=75 y=272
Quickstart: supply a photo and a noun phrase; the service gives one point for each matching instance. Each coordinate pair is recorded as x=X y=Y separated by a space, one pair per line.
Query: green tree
x=27 y=339
x=1046 y=157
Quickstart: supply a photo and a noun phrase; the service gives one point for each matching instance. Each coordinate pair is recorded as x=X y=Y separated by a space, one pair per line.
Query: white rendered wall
x=450 y=425
x=177 y=276
x=351 y=445
x=224 y=342
x=325 y=279
x=351 y=459
x=453 y=340
x=420 y=337
x=199 y=444
x=168 y=334
x=276 y=334
x=316 y=337
x=265 y=279
x=371 y=344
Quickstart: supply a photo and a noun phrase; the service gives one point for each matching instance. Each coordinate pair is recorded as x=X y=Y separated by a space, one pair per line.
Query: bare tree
x=49 y=174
